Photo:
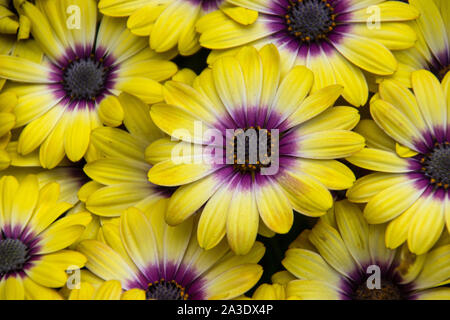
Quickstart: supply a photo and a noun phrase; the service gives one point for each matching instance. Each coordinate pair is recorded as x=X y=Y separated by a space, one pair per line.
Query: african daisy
x=339 y=40
x=411 y=159
x=74 y=89
x=289 y=165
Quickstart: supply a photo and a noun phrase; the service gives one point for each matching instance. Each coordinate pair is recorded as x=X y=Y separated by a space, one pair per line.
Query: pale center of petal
x=436 y=165
x=310 y=20
x=386 y=291
x=13 y=255
x=166 y=290
x=84 y=79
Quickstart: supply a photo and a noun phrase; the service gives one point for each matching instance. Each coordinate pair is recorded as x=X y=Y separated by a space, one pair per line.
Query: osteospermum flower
x=412 y=158
x=171 y=23
x=245 y=94
x=432 y=51
x=337 y=39
x=73 y=90
x=33 y=258
x=166 y=263
x=120 y=173
x=348 y=260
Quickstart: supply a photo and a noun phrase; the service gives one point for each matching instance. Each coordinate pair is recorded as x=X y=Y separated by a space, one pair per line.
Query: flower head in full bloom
x=338 y=40
x=74 y=89
x=161 y=262
x=33 y=259
x=409 y=148
x=267 y=147
x=344 y=258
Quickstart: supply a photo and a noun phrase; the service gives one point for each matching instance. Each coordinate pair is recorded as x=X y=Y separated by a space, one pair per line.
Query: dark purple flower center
x=252 y=149
x=13 y=255
x=84 y=79
x=310 y=20
x=166 y=290
x=387 y=291
x=436 y=165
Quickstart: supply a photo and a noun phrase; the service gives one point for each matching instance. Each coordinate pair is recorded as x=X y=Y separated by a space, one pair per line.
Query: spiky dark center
x=84 y=79
x=13 y=255
x=436 y=165
x=166 y=290
x=252 y=149
x=310 y=20
x=387 y=291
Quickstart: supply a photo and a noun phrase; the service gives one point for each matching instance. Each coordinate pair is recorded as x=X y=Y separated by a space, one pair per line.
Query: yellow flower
x=33 y=241
x=74 y=89
x=338 y=40
x=161 y=262
x=171 y=23
x=119 y=172
x=346 y=259
x=409 y=148
x=432 y=49
x=293 y=169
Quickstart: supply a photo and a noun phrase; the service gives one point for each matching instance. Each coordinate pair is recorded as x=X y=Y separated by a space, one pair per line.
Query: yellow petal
x=241 y=15
x=110 y=111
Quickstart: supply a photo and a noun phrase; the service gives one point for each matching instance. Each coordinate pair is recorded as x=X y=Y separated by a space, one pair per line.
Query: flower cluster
x=171 y=149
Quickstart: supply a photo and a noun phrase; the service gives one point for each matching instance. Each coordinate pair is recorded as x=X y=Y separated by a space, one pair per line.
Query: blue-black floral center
x=310 y=20
x=387 y=290
x=252 y=149
x=436 y=165
x=84 y=79
x=166 y=290
x=13 y=255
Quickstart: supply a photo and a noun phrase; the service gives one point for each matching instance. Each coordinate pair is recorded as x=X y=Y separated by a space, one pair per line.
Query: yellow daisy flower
x=33 y=240
x=166 y=263
x=171 y=23
x=294 y=167
x=432 y=50
x=119 y=174
x=349 y=261
x=338 y=40
x=74 y=89
x=409 y=149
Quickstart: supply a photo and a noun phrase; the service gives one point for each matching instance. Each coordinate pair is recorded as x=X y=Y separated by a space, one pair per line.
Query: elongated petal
x=273 y=205
x=392 y=201
x=360 y=51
